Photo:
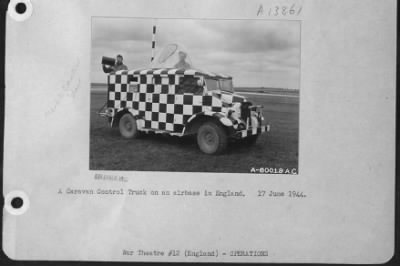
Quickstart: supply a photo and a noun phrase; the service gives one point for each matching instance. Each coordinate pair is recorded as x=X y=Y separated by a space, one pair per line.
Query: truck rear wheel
x=127 y=126
x=212 y=138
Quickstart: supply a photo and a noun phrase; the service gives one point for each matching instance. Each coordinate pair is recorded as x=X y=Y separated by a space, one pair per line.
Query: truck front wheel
x=127 y=126
x=212 y=138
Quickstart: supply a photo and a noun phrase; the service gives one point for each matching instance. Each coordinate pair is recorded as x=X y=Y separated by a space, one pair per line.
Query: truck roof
x=173 y=71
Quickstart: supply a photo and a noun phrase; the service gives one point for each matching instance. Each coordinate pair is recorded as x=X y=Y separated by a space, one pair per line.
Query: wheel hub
x=128 y=125
x=210 y=138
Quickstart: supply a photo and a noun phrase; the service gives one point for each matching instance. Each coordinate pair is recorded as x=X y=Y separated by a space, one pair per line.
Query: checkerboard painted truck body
x=178 y=102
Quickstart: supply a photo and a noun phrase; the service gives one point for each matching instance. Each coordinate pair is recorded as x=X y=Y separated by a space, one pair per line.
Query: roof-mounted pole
x=153 y=41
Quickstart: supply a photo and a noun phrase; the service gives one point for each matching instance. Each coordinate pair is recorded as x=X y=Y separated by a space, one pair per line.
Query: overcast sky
x=256 y=53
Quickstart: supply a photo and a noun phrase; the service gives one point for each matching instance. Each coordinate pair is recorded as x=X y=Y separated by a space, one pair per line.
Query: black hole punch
x=17 y=203
x=20 y=8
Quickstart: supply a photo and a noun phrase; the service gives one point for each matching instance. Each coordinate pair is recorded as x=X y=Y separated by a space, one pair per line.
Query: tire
x=251 y=140
x=127 y=126
x=212 y=138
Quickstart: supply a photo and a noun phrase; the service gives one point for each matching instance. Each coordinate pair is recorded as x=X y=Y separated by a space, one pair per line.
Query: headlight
x=234 y=111
x=109 y=112
x=234 y=115
x=254 y=121
x=236 y=108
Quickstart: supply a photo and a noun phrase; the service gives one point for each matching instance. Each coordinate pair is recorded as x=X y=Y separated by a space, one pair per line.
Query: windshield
x=222 y=84
x=212 y=84
x=226 y=85
x=172 y=56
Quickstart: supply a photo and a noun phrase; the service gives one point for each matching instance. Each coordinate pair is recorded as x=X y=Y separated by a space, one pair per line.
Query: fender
x=223 y=119
x=118 y=114
x=217 y=116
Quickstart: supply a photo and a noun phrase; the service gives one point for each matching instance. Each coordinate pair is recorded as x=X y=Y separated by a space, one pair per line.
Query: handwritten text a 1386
x=279 y=10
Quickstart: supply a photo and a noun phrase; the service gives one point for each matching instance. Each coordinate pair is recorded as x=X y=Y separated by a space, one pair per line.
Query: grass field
x=276 y=149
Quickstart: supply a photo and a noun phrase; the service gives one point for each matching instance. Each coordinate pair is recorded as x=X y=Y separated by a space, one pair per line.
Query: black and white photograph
x=212 y=131
x=195 y=95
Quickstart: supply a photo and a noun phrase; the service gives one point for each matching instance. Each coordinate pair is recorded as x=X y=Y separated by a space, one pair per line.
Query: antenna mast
x=153 y=41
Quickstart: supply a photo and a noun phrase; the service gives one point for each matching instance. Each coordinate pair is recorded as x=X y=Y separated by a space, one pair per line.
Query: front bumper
x=253 y=131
